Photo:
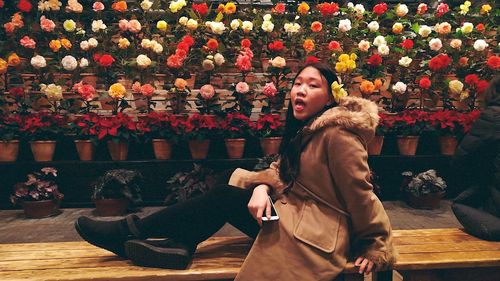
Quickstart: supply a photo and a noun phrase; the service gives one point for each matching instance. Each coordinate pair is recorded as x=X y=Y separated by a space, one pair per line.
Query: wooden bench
x=425 y=255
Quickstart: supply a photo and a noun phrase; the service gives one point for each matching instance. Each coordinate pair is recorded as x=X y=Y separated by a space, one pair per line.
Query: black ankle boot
x=109 y=235
x=159 y=253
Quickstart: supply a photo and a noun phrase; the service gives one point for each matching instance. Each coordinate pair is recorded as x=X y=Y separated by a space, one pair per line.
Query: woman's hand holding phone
x=259 y=203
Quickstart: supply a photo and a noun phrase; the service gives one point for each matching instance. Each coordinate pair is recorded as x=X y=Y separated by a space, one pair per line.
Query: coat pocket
x=318 y=226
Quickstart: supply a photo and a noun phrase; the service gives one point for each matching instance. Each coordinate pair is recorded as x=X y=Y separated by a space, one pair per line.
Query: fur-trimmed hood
x=355 y=114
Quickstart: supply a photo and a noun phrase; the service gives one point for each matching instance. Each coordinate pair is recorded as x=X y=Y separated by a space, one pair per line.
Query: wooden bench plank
x=448 y=260
x=448 y=247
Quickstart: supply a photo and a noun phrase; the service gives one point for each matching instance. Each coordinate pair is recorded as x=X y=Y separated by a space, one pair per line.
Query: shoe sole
x=88 y=240
x=144 y=254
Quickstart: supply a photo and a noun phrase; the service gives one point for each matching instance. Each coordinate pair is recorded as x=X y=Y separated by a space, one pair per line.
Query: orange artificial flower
x=212 y=44
x=230 y=8
x=366 y=87
x=13 y=59
x=378 y=84
x=66 y=43
x=17 y=19
x=55 y=45
x=303 y=8
x=180 y=84
x=120 y=6
x=220 y=8
x=463 y=61
x=3 y=66
x=316 y=26
x=308 y=45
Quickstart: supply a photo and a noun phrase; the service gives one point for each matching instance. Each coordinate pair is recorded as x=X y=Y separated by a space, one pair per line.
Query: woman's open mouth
x=299 y=105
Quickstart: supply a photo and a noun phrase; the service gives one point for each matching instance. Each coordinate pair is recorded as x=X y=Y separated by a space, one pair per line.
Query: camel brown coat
x=331 y=213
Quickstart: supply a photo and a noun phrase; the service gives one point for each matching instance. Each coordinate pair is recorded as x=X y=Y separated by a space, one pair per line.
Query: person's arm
x=371 y=229
x=248 y=179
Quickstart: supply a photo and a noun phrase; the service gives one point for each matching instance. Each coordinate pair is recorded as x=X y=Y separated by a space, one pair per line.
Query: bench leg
x=383 y=276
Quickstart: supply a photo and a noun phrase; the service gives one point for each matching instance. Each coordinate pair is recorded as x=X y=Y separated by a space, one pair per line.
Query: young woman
x=328 y=212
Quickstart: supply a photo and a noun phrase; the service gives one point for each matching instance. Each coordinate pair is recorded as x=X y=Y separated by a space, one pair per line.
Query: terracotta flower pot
x=270 y=145
x=43 y=151
x=235 y=147
x=9 y=150
x=199 y=148
x=448 y=144
x=111 y=207
x=85 y=149
x=40 y=209
x=162 y=149
x=427 y=201
x=118 y=150
x=407 y=145
x=375 y=145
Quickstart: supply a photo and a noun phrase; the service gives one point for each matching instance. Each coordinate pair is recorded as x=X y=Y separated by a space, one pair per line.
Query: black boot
x=109 y=235
x=159 y=253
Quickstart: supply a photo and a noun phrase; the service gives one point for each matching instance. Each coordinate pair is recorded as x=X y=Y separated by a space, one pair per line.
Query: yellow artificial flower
x=353 y=56
x=456 y=87
x=341 y=67
x=303 y=8
x=3 y=66
x=69 y=25
x=230 y=8
x=123 y=43
x=13 y=59
x=66 y=43
x=351 y=65
x=55 y=45
x=344 y=57
x=117 y=91
x=397 y=28
x=338 y=92
x=162 y=25
x=485 y=9
x=464 y=8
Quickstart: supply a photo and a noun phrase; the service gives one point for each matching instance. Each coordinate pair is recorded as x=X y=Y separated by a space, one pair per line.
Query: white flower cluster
x=267 y=25
x=152 y=45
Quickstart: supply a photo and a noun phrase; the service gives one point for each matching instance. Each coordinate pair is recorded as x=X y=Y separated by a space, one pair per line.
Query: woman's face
x=309 y=93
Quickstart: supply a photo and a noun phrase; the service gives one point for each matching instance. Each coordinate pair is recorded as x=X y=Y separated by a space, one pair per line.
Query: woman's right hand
x=260 y=203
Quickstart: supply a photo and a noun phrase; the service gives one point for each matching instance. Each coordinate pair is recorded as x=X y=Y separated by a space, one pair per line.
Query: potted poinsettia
x=269 y=130
x=199 y=129
x=163 y=129
x=10 y=133
x=451 y=126
x=118 y=130
x=43 y=131
x=235 y=128
x=39 y=195
x=85 y=129
x=384 y=126
x=408 y=125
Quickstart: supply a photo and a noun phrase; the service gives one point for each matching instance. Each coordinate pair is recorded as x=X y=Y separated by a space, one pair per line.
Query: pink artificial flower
x=422 y=8
x=123 y=24
x=98 y=6
x=244 y=63
x=136 y=87
x=77 y=86
x=207 y=91
x=27 y=42
x=134 y=26
x=442 y=9
x=175 y=61
x=9 y=27
x=334 y=46
x=270 y=90
x=242 y=88
x=147 y=90
x=87 y=92
x=47 y=24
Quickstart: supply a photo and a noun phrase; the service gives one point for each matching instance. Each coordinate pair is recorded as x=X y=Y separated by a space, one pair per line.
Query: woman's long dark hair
x=290 y=147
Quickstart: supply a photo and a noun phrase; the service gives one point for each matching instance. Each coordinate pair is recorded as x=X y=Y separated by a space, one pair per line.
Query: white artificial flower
x=379 y=40
x=399 y=87
x=84 y=62
x=467 y=28
x=383 y=50
x=435 y=44
x=401 y=10
x=52 y=91
x=344 y=25
x=84 y=45
x=247 y=26
x=359 y=8
x=364 y=46
x=480 y=45
x=217 y=27
x=424 y=31
x=219 y=59
x=157 y=48
x=143 y=61
x=183 y=20
x=146 y=5
x=93 y=42
x=146 y=43
x=456 y=43
x=192 y=24
x=98 y=25
x=207 y=65
x=38 y=62
x=373 y=26
x=405 y=61
x=291 y=27
x=456 y=87
x=267 y=17
x=235 y=24
x=267 y=26
x=278 y=62
x=350 y=5
x=69 y=63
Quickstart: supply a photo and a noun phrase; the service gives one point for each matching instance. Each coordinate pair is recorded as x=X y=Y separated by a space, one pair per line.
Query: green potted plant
x=423 y=191
x=235 y=128
x=115 y=191
x=163 y=129
x=10 y=132
x=118 y=130
x=43 y=130
x=39 y=195
x=269 y=130
x=85 y=129
x=184 y=185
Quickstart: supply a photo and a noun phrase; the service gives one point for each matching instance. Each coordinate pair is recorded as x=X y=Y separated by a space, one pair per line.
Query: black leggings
x=198 y=218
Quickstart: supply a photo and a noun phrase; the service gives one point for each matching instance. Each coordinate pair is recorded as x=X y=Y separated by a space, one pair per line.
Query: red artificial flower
x=188 y=39
x=183 y=46
x=276 y=46
x=334 y=46
x=480 y=27
x=442 y=9
x=16 y=92
x=380 y=8
x=327 y=9
x=311 y=59
x=424 y=83
x=106 y=60
x=1 y=3
x=481 y=86
x=439 y=62
x=422 y=8
x=493 y=62
x=24 y=6
x=201 y=9
x=279 y=8
x=245 y=43
x=175 y=61
x=407 y=44
x=181 y=53
x=96 y=57
x=375 y=60
x=471 y=79
x=212 y=44
x=463 y=61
